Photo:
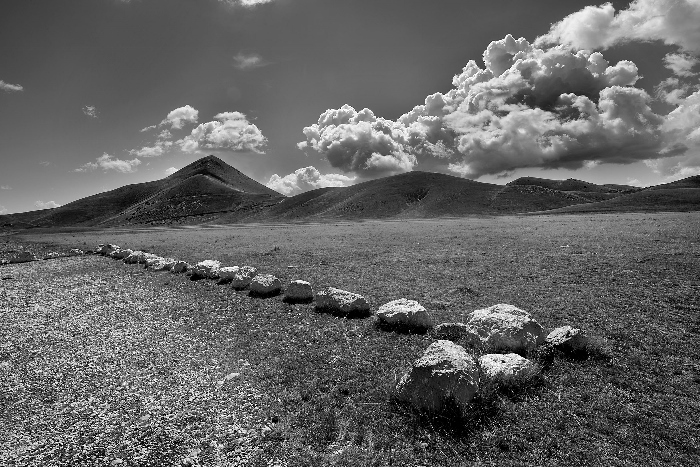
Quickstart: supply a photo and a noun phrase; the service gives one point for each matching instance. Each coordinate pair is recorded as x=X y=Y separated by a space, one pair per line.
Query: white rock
x=150 y=260
x=265 y=284
x=134 y=257
x=504 y=367
x=508 y=332
x=161 y=264
x=208 y=269
x=341 y=301
x=227 y=273
x=179 y=267
x=242 y=278
x=568 y=339
x=146 y=257
x=403 y=312
x=299 y=291
x=445 y=376
x=504 y=308
x=121 y=254
x=76 y=251
x=23 y=257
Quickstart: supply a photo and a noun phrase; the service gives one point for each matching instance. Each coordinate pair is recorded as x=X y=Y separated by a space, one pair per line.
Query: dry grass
x=325 y=382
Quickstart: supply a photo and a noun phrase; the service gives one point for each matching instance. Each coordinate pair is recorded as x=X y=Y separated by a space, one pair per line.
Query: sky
x=301 y=94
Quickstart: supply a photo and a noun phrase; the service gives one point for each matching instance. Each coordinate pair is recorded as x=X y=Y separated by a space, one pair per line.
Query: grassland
x=314 y=389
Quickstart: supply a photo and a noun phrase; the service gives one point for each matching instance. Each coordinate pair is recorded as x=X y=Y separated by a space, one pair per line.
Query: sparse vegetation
x=315 y=389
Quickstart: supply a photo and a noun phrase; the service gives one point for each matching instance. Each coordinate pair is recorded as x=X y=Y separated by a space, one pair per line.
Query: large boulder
x=505 y=367
x=460 y=333
x=445 y=377
x=265 y=285
x=335 y=300
x=298 y=291
x=208 y=269
x=569 y=340
x=405 y=313
x=134 y=257
x=23 y=257
x=180 y=267
x=242 y=278
x=501 y=330
x=161 y=264
x=226 y=274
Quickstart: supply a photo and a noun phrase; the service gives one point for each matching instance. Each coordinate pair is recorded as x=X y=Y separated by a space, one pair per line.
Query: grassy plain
x=322 y=383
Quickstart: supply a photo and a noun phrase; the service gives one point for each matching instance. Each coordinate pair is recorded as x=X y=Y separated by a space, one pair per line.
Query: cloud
x=107 y=162
x=165 y=134
x=528 y=107
x=180 y=116
x=47 y=204
x=674 y=22
x=305 y=179
x=90 y=111
x=230 y=131
x=681 y=64
x=5 y=187
x=158 y=149
x=149 y=128
x=7 y=87
x=45 y=163
x=247 y=62
x=3 y=210
x=246 y=3
x=170 y=171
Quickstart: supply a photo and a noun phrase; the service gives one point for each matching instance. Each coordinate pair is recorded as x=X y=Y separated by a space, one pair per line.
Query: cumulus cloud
x=231 y=131
x=528 y=107
x=247 y=62
x=47 y=204
x=165 y=134
x=170 y=171
x=158 y=149
x=107 y=162
x=180 y=116
x=681 y=64
x=674 y=22
x=7 y=87
x=90 y=111
x=149 y=128
x=305 y=179
x=246 y=3
x=5 y=187
x=3 y=210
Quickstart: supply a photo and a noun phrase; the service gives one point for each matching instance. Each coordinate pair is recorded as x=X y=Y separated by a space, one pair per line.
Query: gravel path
x=100 y=365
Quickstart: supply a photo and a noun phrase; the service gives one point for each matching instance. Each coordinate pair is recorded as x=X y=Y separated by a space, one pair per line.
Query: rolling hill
x=211 y=191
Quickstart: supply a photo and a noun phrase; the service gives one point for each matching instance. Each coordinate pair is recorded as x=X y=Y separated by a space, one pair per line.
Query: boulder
x=242 y=278
x=569 y=340
x=444 y=378
x=335 y=300
x=457 y=332
x=146 y=257
x=298 y=291
x=179 y=267
x=121 y=254
x=504 y=367
x=227 y=273
x=106 y=249
x=208 y=269
x=134 y=257
x=405 y=313
x=76 y=251
x=504 y=308
x=150 y=260
x=265 y=285
x=23 y=257
x=161 y=264
x=503 y=331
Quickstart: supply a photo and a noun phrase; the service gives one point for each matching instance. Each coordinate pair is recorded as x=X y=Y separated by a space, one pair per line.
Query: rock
x=504 y=367
x=445 y=377
x=569 y=340
x=121 y=254
x=179 y=267
x=150 y=260
x=504 y=308
x=405 y=313
x=242 y=278
x=106 y=249
x=76 y=251
x=23 y=257
x=265 y=285
x=208 y=269
x=457 y=332
x=227 y=273
x=134 y=257
x=335 y=300
x=146 y=257
x=298 y=291
x=161 y=264
x=504 y=331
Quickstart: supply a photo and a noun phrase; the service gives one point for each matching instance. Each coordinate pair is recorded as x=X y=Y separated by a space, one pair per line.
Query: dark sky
x=93 y=73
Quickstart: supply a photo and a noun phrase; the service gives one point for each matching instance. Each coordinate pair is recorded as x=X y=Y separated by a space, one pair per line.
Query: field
x=103 y=363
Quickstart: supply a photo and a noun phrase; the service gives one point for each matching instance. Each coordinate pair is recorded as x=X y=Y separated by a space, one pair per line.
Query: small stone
x=335 y=300
x=569 y=340
x=405 y=313
x=298 y=291
x=265 y=285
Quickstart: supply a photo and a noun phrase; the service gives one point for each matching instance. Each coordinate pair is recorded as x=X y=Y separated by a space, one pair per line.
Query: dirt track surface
x=100 y=364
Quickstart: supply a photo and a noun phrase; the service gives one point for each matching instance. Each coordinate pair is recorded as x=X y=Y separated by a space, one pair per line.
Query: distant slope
x=570 y=184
